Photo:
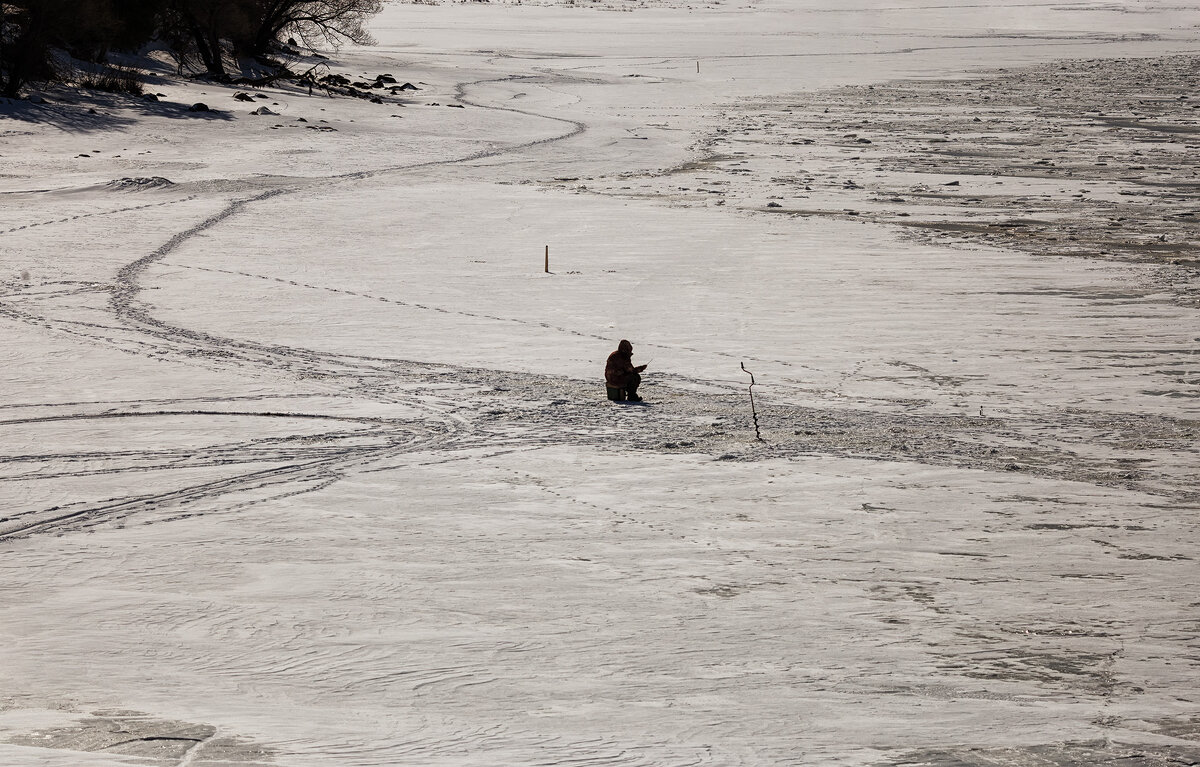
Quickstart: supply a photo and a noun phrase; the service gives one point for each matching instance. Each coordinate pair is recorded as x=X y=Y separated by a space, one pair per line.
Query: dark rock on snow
x=152 y=182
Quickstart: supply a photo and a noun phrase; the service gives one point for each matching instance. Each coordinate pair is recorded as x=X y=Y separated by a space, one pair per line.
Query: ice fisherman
x=621 y=375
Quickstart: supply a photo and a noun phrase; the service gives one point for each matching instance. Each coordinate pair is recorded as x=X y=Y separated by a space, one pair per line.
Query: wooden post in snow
x=547 y=259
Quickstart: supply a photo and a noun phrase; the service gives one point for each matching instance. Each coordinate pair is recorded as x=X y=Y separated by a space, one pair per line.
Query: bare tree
x=203 y=27
x=314 y=21
x=202 y=34
x=28 y=30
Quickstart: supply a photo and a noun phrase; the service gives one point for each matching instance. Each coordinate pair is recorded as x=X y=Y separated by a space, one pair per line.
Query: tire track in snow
x=396 y=301
x=302 y=470
x=125 y=308
x=127 y=287
x=261 y=450
x=481 y=315
x=576 y=128
x=724 y=588
x=159 y=338
x=69 y=219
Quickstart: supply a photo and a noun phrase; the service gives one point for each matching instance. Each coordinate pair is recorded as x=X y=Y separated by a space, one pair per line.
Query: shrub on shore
x=112 y=79
x=202 y=34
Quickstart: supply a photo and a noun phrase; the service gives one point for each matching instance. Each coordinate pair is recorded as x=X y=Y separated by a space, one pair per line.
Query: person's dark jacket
x=620 y=369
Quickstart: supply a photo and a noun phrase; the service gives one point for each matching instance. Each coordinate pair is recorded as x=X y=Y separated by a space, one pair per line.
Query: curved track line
x=159 y=413
x=138 y=316
x=69 y=219
x=309 y=474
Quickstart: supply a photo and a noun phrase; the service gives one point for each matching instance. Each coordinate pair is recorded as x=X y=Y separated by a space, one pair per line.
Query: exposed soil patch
x=1053 y=755
x=152 y=741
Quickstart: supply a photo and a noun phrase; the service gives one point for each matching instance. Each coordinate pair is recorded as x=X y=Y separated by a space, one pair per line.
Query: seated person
x=621 y=375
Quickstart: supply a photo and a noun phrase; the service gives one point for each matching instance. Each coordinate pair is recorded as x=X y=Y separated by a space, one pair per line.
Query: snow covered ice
x=306 y=461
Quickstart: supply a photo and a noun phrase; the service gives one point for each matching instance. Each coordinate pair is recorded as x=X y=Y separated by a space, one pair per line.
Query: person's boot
x=631 y=395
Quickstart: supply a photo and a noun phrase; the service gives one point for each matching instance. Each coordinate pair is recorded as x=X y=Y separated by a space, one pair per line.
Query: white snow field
x=306 y=460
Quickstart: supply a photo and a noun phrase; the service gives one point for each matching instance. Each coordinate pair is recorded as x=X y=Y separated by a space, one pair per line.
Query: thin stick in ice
x=753 y=410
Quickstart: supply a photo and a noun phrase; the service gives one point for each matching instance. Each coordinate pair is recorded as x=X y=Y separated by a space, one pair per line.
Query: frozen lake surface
x=306 y=459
